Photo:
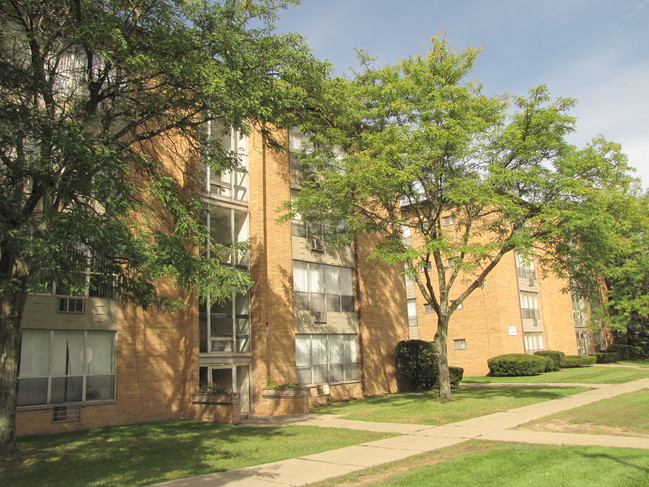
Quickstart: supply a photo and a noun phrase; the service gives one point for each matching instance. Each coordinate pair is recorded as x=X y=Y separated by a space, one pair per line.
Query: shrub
x=625 y=352
x=570 y=361
x=549 y=364
x=456 y=374
x=556 y=357
x=516 y=364
x=605 y=357
x=416 y=363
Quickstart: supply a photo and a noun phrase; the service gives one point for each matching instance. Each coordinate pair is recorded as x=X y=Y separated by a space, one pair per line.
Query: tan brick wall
x=383 y=319
x=273 y=347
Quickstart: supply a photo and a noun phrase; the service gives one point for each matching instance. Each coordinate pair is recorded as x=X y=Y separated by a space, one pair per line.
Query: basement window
x=459 y=344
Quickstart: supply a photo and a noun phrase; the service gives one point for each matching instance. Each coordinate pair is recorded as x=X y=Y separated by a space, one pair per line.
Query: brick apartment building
x=317 y=314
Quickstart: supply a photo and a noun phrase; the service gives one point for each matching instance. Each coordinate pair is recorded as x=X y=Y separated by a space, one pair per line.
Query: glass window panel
x=335 y=349
x=347 y=303
x=304 y=375
x=243 y=343
x=346 y=282
x=301 y=300
x=320 y=374
x=32 y=392
x=222 y=377
x=100 y=388
x=316 y=278
x=351 y=372
x=412 y=307
x=241 y=185
x=317 y=302
x=336 y=373
x=300 y=276
x=220 y=225
x=333 y=302
x=202 y=327
x=318 y=349
x=99 y=353
x=35 y=353
x=66 y=389
x=221 y=326
x=67 y=353
x=298 y=229
x=332 y=282
x=351 y=349
x=303 y=350
x=242 y=305
x=221 y=308
x=221 y=346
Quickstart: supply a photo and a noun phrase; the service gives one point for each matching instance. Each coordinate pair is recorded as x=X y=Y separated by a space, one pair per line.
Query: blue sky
x=596 y=51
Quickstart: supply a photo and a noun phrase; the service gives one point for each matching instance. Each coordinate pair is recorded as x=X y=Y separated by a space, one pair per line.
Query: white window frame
x=310 y=284
x=307 y=368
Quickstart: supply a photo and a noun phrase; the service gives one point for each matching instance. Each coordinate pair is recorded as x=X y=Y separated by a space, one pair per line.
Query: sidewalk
x=413 y=440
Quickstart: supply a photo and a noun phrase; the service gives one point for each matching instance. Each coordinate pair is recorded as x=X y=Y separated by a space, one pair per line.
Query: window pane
x=32 y=392
x=335 y=349
x=202 y=327
x=242 y=305
x=304 y=375
x=220 y=226
x=351 y=349
x=336 y=373
x=303 y=351
x=221 y=326
x=332 y=282
x=320 y=374
x=298 y=229
x=66 y=389
x=300 y=276
x=317 y=302
x=347 y=303
x=243 y=335
x=333 y=302
x=346 y=282
x=99 y=353
x=316 y=278
x=34 y=353
x=67 y=353
x=318 y=349
x=301 y=300
x=100 y=388
x=222 y=377
x=351 y=372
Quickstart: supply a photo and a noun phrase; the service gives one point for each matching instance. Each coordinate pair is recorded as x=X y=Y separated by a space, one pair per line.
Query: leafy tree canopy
x=468 y=176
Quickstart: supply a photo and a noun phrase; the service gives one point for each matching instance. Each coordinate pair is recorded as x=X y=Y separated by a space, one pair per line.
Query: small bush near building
x=605 y=357
x=417 y=366
x=625 y=352
x=556 y=357
x=570 y=361
x=549 y=364
x=516 y=364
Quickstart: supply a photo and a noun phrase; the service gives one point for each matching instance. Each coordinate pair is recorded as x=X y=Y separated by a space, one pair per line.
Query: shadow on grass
x=148 y=453
x=618 y=459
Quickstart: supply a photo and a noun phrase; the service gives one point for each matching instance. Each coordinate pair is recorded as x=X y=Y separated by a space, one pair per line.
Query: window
x=320 y=287
x=449 y=220
x=533 y=342
x=226 y=327
x=231 y=184
x=324 y=359
x=459 y=344
x=228 y=227
x=66 y=367
x=530 y=305
x=412 y=312
x=428 y=308
x=525 y=267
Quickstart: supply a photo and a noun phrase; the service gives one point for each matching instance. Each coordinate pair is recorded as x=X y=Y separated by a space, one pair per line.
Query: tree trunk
x=442 y=359
x=11 y=306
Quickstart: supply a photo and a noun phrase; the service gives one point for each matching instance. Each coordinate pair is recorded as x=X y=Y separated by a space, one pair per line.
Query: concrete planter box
x=216 y=407
x=280 y=402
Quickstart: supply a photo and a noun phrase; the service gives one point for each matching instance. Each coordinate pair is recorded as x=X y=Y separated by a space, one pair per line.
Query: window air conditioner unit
x=317 y=245
x=320 y=316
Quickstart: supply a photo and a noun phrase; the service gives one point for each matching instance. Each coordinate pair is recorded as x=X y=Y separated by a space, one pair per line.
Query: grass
x=636 y=363
x=621 y=415
x=424 y=407
x=157 y=452
x=489 y=464
x=585 y=375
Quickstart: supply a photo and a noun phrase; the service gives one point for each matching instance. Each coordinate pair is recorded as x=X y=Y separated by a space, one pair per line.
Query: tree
x=103 y=114
x=470 y=177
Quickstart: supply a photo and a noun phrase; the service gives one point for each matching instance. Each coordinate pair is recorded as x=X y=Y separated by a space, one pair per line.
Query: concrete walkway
x=414 y=439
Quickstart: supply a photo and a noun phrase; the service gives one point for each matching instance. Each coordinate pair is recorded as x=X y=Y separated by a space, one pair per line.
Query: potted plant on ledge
x=215 y=394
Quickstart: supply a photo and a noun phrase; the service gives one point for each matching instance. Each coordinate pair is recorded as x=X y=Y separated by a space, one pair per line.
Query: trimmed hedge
x=516 y=364
x=625 y=352
x=556 y=357
x=416 y=363
x=605 y=357
x=570 y=361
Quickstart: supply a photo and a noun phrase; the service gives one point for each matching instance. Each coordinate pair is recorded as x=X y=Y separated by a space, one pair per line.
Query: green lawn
x=636 y=363
x=586 y=375
x=424 y=408
x=621 y=415
x=157 y=452
x=515 y=465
